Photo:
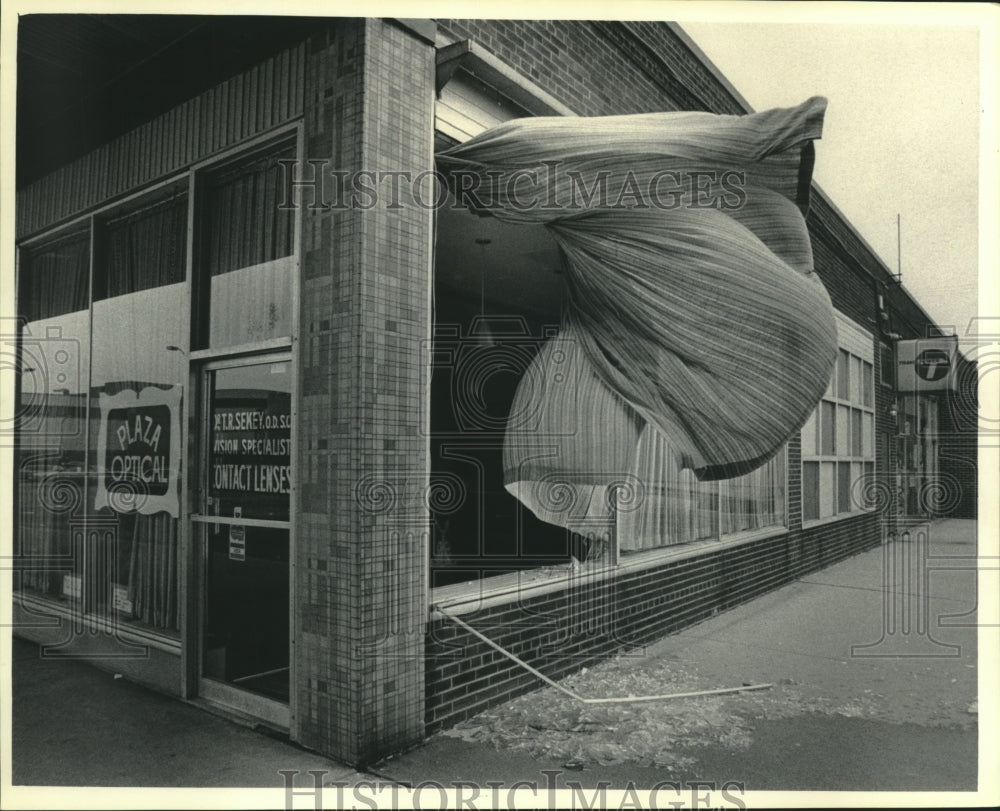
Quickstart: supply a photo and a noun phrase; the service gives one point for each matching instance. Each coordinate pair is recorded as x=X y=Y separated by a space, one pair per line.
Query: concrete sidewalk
x=75 y=725
x=838 y=716
x=874 y=680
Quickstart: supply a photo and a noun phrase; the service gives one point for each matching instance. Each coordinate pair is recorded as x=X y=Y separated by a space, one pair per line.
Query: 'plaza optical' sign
x=139 y=451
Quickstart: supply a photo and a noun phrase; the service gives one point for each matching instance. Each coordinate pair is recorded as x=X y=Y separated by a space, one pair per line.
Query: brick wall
x=582 y=623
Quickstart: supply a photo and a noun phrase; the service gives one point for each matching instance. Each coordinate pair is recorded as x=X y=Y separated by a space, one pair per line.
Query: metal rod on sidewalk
x=571 y=694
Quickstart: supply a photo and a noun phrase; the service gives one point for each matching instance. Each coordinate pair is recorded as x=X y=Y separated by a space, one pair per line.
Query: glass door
x=243 y=520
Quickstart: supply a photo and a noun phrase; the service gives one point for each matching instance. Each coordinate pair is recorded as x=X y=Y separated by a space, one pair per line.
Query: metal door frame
x=273 y=712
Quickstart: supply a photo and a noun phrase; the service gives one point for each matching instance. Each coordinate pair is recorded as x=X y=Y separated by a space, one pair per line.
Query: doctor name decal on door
x=250 y=451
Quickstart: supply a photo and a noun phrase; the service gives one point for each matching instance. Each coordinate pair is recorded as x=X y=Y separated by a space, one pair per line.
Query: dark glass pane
x=868 y=397
x=828 y=428
x=843 y=375
x=246 y=613
x=810 y=491
x=844 y=487
x=887 y=361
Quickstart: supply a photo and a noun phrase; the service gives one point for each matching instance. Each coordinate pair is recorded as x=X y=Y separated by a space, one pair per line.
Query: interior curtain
x=53 y=280
x=756 y=499
x=147 y=248
x=675 y=506
x=152 y=587
x=706 y=322
x=245 y=225
x=46 y=502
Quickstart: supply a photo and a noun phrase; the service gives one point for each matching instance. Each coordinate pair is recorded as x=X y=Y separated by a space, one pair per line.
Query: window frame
x=858 y=346
x=186 y=181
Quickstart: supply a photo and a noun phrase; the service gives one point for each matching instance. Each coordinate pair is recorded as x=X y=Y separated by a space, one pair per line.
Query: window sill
x=123 y=630
x=648 y=558
x=476 y=595
x=470 y=597
x=831 y=519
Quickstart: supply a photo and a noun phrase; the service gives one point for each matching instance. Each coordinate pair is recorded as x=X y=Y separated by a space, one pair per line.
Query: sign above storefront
x=926 y=364
x=138 y=459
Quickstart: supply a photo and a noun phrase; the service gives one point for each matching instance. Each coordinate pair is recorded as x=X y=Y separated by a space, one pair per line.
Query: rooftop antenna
x=897 y=277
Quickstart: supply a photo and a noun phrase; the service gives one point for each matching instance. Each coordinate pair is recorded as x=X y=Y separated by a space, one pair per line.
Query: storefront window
x=248 y=251
x=53 y=301
x=138 y=373
x=104 y=351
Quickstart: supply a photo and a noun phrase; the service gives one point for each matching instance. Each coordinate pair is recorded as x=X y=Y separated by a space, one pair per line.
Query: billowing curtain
x=691 y=291
x=674 y=507
x=53 y=285
x=754 y=500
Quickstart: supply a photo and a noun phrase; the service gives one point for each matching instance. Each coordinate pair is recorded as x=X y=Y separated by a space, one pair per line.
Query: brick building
x=249 y=471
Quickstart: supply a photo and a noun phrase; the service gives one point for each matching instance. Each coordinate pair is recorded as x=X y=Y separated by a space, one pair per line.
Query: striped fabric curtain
x=152 y=580
x=245 y=226
x=692 y=300
x=54 y=279
x=47 y=502
x=146 y=248
x=754 y=500
x=675 y=508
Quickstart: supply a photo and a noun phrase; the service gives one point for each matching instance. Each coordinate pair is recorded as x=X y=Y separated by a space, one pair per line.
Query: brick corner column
x=363 y=525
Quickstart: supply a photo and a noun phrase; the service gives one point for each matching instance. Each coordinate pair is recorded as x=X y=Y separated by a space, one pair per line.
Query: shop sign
x=926 y=364
x=138 y=458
